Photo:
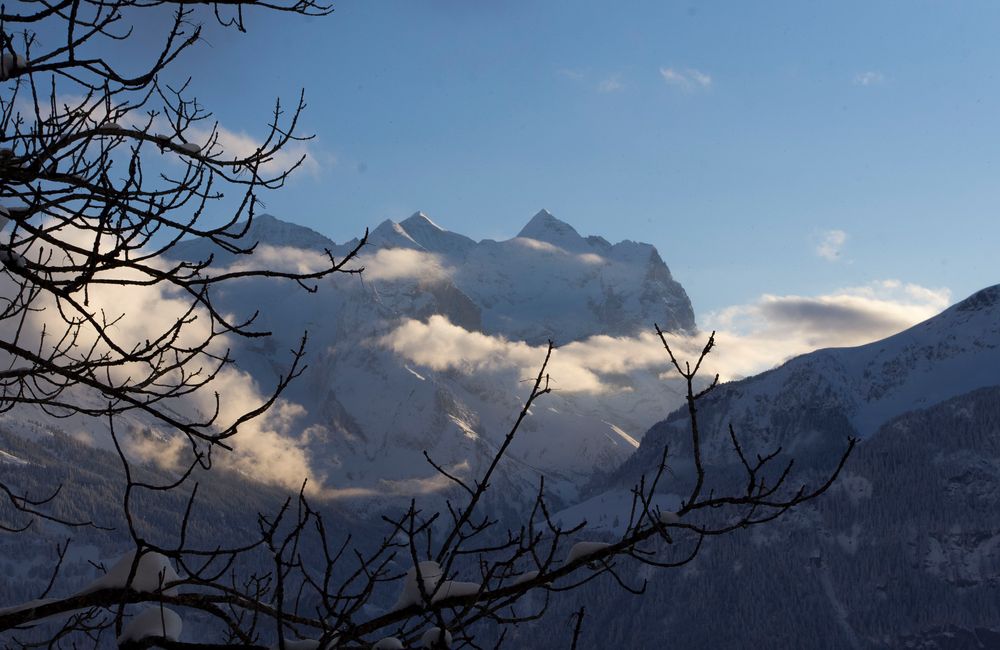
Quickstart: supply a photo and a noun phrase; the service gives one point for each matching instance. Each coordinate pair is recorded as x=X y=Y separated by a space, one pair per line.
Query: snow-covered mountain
x=903 y=551
x=550 y=282
x=547 y=282
x=810 y=404
x=370 y=413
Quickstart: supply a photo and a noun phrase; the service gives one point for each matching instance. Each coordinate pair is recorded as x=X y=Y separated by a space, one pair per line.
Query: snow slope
x=903 y=551
x=813 y=402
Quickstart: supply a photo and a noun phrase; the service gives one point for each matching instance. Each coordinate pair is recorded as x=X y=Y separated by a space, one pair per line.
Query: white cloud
x=610 y=85
x=402 y=263
x=831 y=244
x=700 y=78
x=268 y=448
x=759 y=335
x=285 y=259
x=385 y=264
x=591 y=258
x=408 y=487
x=537 y=245
x=869 y=78
x=687 y=79
x=751 y=338
x=440 y=345
x=232 y=145
x=588 y=259
x=228 y=144
x=271 y=448
x=428 y=485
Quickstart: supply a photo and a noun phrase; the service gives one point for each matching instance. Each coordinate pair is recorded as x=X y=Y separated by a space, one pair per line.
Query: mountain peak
x=419 y=220
x=264 y=230
x=544 y=226
x=390 y=234
x=268 y=229
x=433 y=237
x=982 y=299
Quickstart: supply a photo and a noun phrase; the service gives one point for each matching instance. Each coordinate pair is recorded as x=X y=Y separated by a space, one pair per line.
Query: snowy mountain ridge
x=950 y=354
x=812 y=403
x=371 y=413
x=902 y=551
x=547 y=282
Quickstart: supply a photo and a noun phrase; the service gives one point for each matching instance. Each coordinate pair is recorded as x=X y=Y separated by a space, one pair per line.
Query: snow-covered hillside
x=813 y=402
x=903 y=551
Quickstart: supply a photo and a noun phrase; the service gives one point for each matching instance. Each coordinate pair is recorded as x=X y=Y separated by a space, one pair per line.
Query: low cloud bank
x=386 y=264
x=750 y=338
x=774 y=328
x=404 y=263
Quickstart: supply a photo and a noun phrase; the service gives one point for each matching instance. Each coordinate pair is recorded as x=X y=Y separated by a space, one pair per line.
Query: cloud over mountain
x=751 y=338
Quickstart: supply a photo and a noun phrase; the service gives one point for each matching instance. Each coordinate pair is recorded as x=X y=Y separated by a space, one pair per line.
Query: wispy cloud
x=774 y=328
x=384 y=264
x=610 y=85
x=831 y=244
x=869 y=78
x=686 y=79
x=570 y=73
x=404 y=263
x=238 y=144
x=545 y=247
x=272 y=447
x=225 y=144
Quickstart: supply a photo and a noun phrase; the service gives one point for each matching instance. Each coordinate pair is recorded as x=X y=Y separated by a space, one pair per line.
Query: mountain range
x=904 y=551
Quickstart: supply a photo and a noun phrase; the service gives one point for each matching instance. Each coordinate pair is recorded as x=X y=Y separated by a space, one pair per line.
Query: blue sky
x=734 y=136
